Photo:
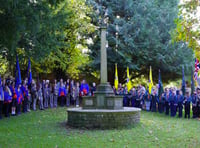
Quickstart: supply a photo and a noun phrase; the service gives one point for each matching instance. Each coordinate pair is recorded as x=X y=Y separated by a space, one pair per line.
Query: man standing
x=1 y=99
x=187 y=102
x=198 y=102
x=55 y=94
x=34 y=94
x=179 y=99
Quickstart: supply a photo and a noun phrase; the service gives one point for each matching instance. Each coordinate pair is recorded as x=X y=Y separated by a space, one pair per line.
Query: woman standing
x=7 y=100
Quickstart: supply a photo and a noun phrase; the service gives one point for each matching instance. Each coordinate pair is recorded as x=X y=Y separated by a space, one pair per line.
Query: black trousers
x=18 y=108
x=187 y=110
x=194 y=111
x=180 y=110
x=7 y=107
x=25 y=103
x=62 y=100
x=1 y=109
x=167 y=108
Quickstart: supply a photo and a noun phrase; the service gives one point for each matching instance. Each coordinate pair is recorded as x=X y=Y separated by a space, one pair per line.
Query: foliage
x=143 y=36
x=48 y=129
x=188 y=25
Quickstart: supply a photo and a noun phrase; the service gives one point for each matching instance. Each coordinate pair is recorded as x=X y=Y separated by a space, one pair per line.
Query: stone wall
x=103 y=120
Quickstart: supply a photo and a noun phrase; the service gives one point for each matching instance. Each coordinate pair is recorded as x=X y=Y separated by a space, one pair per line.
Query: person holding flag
x=116 y=82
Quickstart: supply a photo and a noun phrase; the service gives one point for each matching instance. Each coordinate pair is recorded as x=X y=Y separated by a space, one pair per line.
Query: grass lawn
x=48 y=129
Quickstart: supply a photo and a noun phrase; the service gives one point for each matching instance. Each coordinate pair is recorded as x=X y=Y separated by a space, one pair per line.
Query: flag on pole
x=160 y=85
x=197 y=67
x=183 y=82
x=116 y=83
x=128 y=80
x=18 y=79
x=29 y=72
x=150 y=80
x=192 y=82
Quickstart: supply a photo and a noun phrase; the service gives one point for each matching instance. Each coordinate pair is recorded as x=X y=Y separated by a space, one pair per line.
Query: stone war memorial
x=104 y=110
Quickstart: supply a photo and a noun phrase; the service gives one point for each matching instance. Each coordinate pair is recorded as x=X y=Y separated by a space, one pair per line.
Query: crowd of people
x=171 y=101
x=24 y=97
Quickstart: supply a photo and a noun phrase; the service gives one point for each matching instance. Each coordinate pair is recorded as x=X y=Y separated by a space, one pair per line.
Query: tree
x=188 y=25
x=143 y=36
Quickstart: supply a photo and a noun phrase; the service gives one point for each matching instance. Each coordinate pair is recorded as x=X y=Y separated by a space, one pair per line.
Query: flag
x=18 y=79
x=160 y=85
x=150 y=80
x=192 y=82
x=128 y=80
x=116 y=83
x=183 y=82
x=197 y=67
x=29 y=72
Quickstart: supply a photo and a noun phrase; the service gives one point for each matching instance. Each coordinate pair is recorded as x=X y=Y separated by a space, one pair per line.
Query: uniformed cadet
x=154 y=99
x=34 y=94
x=194 y=105
x=187 y=101
x=161 y=103
x=167 y=97
x=76 y=94
x=40 y=97
x=147 y=101
x=179 y=99
x=19 y=98
x=7 y=100
x=55 y=97
x=46 y=95
x=62 y=93
x=173 y=104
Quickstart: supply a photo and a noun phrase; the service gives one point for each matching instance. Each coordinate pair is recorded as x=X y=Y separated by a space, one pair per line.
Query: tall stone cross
x=104 y=77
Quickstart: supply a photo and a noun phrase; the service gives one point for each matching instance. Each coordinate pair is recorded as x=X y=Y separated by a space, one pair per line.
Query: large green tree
x=143 y=36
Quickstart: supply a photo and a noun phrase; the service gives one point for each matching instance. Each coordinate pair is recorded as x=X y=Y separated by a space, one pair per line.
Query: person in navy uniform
x=34 y=94
x=19 y=98
x=198 y=102
x=161 y=103
x=179 y=99
x=194 y=105
x=153 y=101
x=14 y=99
x=187 y=101
x=25 y=96
x=167 y=97
x=133 y=97
x=62 y=93
x=7 y=100
x=1 y=99
x=173 y=104
x=147 y=101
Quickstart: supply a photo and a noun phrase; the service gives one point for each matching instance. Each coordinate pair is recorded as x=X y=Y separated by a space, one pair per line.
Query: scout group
x=171 y=101
x=15 y=99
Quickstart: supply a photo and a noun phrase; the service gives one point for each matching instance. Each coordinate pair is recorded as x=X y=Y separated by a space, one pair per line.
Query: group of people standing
x=172 y=101
x=17 y=98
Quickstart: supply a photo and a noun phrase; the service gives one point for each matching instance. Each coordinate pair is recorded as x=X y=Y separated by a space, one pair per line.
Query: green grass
x=48 y=129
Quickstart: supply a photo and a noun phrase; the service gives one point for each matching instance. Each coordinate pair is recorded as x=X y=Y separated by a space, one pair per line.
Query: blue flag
x=192 y=82
x=183 y=82
x=18 y=79
x=160 y=85
x=29 y=72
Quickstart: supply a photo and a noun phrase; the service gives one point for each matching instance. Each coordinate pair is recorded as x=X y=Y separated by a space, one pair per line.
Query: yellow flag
x=150 y=81
x=129 y=86
x=116 y=83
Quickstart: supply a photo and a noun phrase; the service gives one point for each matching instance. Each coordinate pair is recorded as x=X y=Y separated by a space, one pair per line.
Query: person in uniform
x=187 y=101
x=173 y=104
x=154 y=99
x=68 y=94
x=14 y=99
x=133 y=97
x=34 y=94
x=93 y=88
x=62 y=94
x=161 y=103
x=46 y=95
x=51 y=95
x=25 y=96
x=179 y=99
x=19 y=98
x=76 y=94
x=40 y=97
x=147 y=101
x=167 y=97
x=194 y=105
x=198 y=102
x=55 y=93
x=1 y=99
x=7 y=100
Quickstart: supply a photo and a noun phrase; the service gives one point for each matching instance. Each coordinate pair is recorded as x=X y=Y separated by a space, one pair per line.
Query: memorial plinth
x=104 y=109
